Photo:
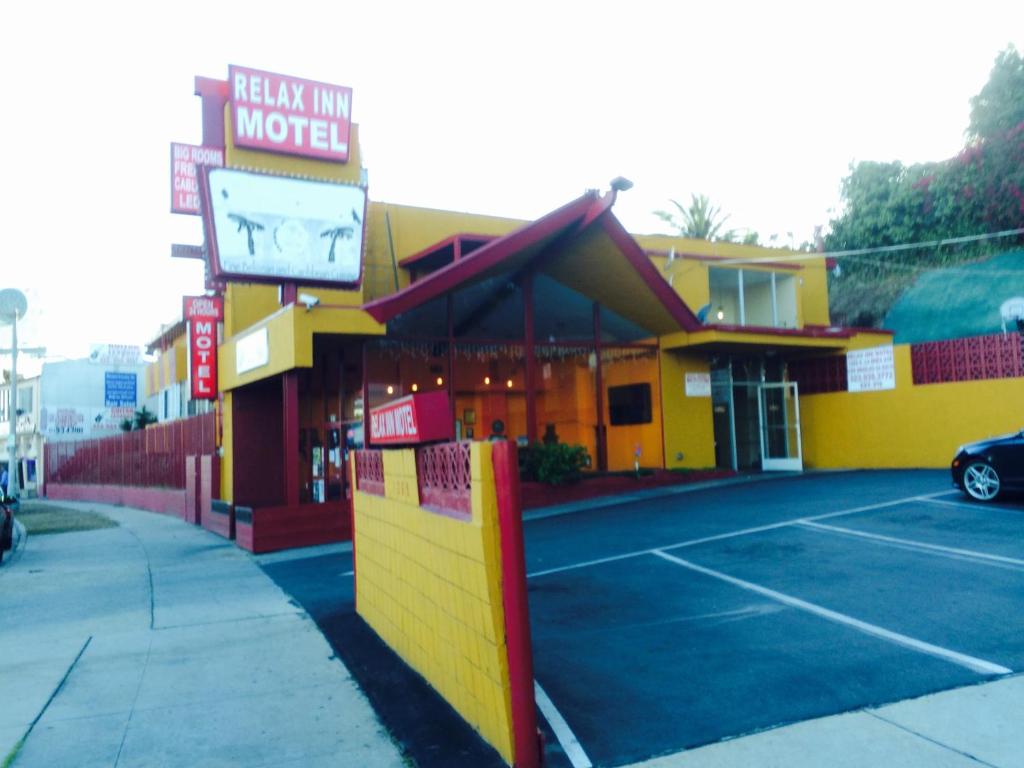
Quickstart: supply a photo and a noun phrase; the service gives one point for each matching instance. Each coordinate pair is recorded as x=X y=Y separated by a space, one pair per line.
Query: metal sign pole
x=13 y=486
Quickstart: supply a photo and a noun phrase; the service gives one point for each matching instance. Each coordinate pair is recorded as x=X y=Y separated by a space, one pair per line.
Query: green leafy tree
x=979 y=191
x=999 y=107
x=699 y=220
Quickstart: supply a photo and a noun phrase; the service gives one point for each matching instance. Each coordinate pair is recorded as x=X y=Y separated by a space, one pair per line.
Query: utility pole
x=13 y=306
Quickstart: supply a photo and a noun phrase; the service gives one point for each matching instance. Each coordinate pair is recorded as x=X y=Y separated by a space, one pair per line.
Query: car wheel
x=981 y=481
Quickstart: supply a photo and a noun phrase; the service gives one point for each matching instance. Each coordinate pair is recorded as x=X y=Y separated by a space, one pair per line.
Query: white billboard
x=273 y=227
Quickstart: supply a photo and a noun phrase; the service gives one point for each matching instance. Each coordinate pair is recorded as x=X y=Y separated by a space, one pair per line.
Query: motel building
x=324 y=305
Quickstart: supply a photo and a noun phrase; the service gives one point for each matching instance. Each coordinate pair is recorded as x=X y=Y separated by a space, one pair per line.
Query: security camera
x=308 y=300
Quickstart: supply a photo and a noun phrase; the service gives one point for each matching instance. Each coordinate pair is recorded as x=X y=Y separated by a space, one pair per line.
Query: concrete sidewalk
x=159 y=644
x=964 y=728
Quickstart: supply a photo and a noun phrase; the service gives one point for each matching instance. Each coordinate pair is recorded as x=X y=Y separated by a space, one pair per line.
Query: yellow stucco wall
x=413 y=229
x=689 y=426
x=690 y=276
x=910 y=426
x=170 y=367
x=430 y=586
x=227 y=475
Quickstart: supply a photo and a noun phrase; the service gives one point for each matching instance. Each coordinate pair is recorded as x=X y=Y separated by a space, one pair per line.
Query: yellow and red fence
x=440 y=577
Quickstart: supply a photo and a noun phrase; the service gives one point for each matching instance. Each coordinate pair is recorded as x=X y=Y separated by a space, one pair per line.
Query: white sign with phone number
x=698 y=385
x=870 y=370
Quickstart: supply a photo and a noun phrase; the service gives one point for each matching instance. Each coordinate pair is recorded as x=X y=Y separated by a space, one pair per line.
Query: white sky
x=503 y=108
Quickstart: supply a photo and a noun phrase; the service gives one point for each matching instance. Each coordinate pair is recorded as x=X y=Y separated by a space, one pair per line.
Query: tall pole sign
x=202 y=313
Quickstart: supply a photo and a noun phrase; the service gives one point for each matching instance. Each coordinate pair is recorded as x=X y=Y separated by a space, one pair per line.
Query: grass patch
x=9 y=760
x=42 y=518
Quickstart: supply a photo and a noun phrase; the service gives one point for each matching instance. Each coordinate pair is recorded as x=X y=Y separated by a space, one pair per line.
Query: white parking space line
x=969 y=662
x=729 y=535
x=970 y=554
x=570 y=744
x=972 y=505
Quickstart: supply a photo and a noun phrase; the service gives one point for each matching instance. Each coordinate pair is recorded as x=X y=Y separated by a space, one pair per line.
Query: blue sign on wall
x=120 y=389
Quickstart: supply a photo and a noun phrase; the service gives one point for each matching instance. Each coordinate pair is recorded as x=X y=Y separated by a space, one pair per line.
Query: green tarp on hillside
x=958 y=301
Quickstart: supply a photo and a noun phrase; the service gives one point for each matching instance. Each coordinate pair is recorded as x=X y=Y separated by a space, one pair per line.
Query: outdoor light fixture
x=720 y=314
x=509 y=383
x=391 y=390
x=621 y=184
x=487 y=380
x=415 y=387
x=440 y=381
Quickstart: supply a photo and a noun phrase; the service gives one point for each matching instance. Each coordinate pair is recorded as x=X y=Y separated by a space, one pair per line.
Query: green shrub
x=554 y=464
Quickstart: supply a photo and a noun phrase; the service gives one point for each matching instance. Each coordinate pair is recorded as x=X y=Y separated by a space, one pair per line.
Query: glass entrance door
x=779 y=416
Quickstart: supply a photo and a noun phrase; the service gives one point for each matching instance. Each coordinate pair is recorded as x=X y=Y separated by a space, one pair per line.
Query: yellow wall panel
x=689 y=427
x=910 y=426
x=430 y=585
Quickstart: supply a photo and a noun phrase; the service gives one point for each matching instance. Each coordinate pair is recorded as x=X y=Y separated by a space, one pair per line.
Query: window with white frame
x=761 y=298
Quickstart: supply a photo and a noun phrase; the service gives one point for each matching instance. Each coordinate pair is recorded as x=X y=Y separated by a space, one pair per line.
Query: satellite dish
x=1012 y=311
x=13 y=305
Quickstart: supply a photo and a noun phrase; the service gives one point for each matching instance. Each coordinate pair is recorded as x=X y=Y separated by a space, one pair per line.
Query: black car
x=983 y=470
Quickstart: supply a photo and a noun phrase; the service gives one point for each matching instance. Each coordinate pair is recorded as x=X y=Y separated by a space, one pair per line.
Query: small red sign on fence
x=420 y=418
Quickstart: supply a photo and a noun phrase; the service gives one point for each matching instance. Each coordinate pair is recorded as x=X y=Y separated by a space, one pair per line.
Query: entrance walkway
x=157 y=643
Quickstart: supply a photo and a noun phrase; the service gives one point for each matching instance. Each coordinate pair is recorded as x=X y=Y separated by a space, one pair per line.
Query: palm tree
x=144 y=417
x=700 y=220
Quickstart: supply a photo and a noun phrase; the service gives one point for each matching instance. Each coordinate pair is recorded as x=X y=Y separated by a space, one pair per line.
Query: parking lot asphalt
x=669 y=623
x=431 y=733
x=677 y=622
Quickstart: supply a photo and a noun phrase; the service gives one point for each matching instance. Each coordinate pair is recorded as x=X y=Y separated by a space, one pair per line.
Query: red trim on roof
x=744 y=261
x=853 y=328
x=451 y=275
x=808 y=331
x=646 y=269
x=432 y=250
x=166 y=339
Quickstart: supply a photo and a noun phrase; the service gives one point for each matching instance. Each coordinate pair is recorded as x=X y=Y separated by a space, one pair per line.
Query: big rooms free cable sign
x=277 y=113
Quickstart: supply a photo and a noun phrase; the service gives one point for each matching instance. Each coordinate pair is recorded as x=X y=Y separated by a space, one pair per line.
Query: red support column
x=602 y=442
x=290 y=416
x=526 y=738
x=451 y=358
x=531 y=360
x=289 y=294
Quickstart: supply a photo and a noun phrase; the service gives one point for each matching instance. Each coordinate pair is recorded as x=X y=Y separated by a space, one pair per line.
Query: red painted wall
x=168 y=501
x=305 y=525
x=257 y=444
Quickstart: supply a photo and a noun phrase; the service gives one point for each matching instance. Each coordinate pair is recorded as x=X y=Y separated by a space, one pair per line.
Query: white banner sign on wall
x=870 y=370
x=252 y=351
x=698 y=385
x=80 y=421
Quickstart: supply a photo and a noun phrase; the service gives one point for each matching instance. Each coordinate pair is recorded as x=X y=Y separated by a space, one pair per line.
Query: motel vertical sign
x=202 y=313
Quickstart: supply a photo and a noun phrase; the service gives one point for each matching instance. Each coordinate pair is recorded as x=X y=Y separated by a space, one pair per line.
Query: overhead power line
x=883 y=248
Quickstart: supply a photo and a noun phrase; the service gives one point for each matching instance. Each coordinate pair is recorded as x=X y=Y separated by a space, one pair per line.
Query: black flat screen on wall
x=630 y=404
